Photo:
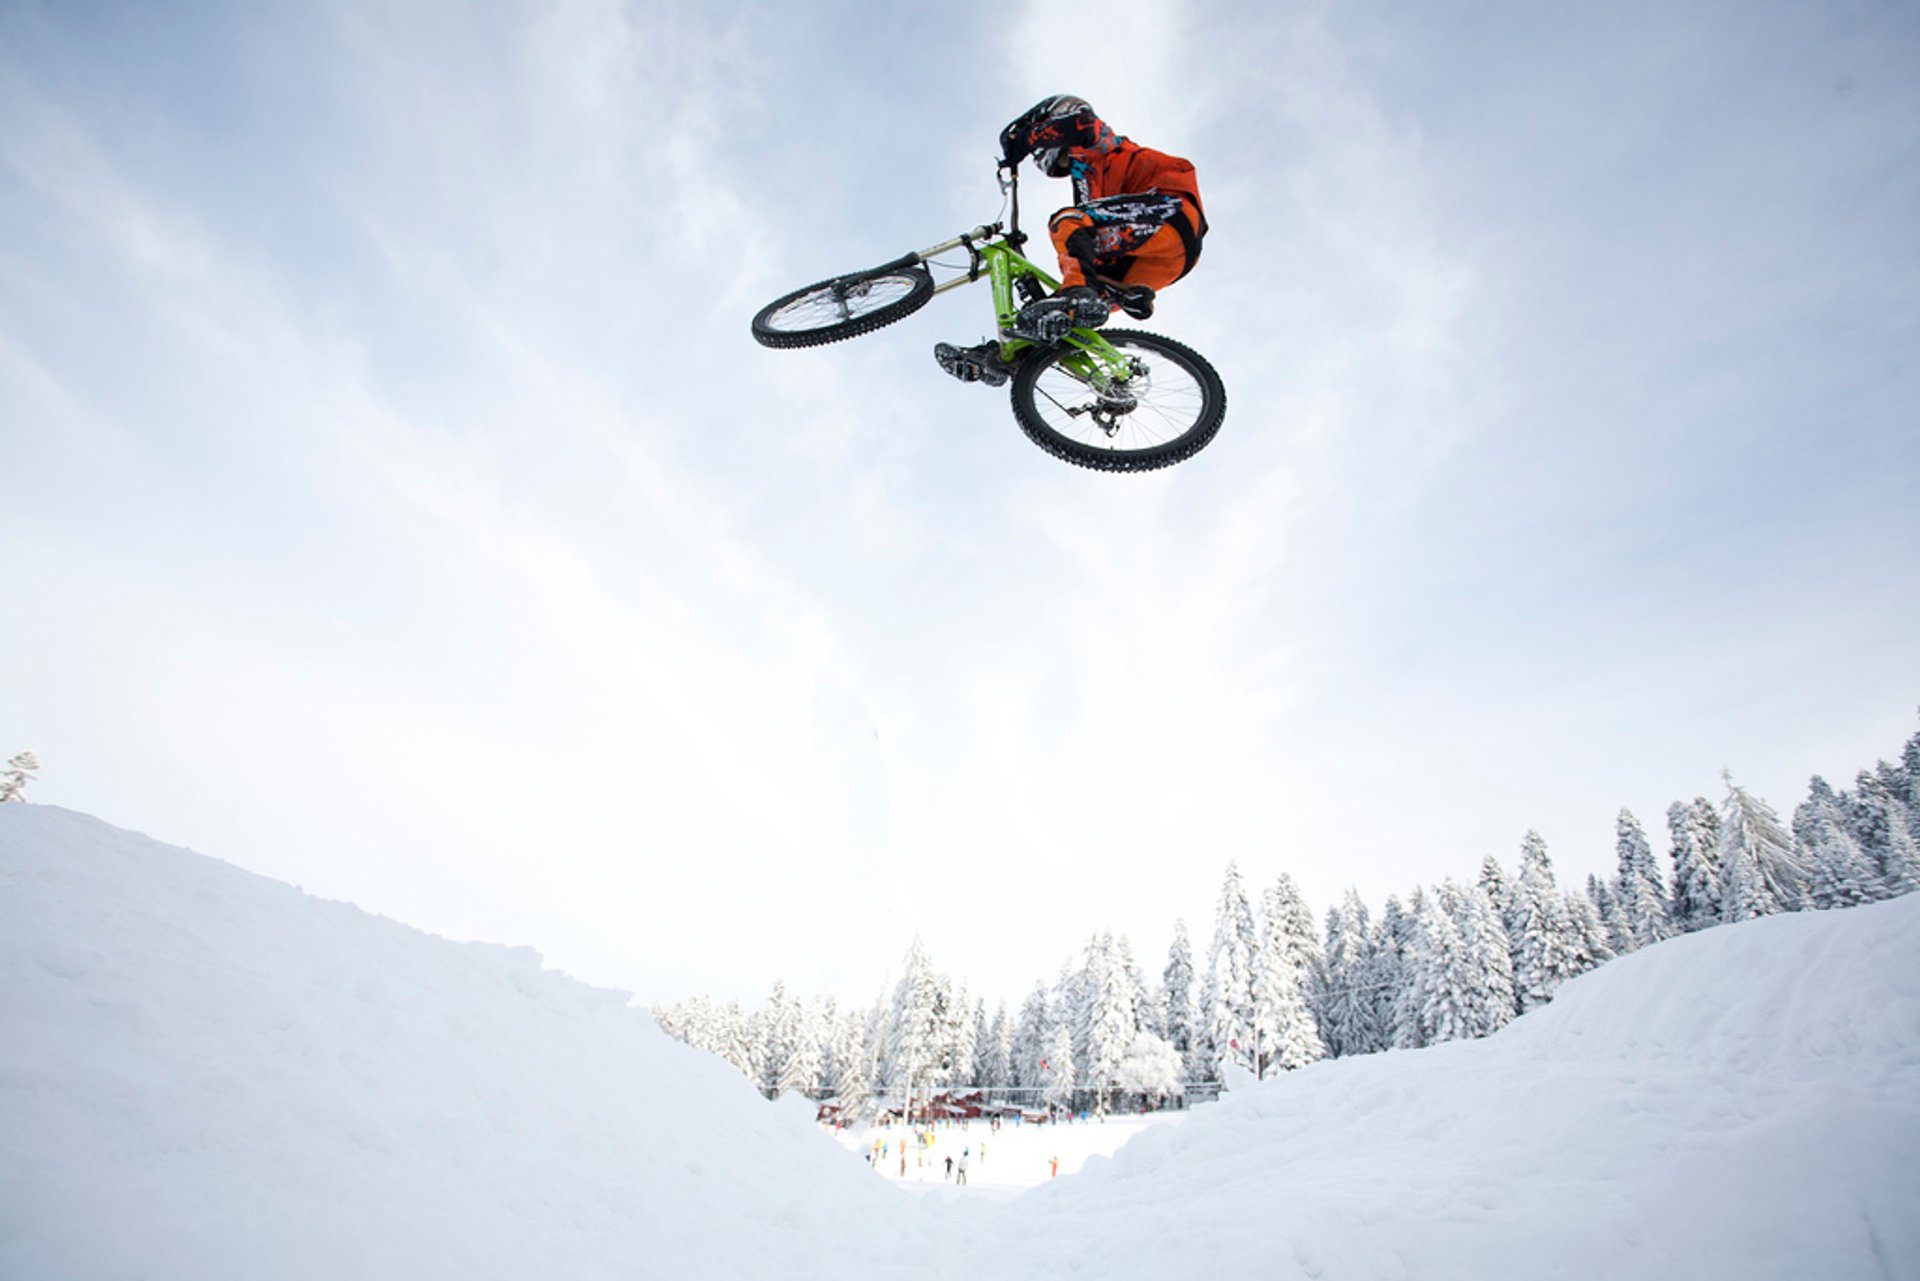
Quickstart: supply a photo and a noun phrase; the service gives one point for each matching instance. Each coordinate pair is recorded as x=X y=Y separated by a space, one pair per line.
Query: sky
x=398 y=505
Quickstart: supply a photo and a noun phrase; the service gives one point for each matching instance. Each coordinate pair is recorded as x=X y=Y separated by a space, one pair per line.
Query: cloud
x=377 y=386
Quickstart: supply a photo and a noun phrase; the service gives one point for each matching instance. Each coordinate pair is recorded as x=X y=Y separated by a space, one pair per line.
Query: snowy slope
x=207 y=1074
x=204 y=1074
x=1741 y=1103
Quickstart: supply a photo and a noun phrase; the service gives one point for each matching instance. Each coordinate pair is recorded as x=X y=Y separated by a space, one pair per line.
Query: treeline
x=1456 y=960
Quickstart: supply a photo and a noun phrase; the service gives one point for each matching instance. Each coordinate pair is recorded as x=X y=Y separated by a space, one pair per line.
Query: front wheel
x=1158 y=404
x=844 y=307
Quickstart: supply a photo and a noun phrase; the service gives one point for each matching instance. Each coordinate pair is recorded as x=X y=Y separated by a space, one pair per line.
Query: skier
x=1135 y=227
x=962 y=1169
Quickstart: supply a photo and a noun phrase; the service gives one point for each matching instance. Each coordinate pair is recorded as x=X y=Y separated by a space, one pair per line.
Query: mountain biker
x=1135 y=226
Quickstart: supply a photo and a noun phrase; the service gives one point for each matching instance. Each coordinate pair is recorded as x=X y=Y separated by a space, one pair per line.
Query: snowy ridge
x=1773 y=997
x=206 y=1074
x=1739 y=1103
x=239 y=1080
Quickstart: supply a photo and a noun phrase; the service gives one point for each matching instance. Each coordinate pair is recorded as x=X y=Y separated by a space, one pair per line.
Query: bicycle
x=1109 y=399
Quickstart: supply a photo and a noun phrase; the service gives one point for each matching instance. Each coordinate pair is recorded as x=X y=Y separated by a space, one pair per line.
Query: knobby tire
x=844 y=307
x=1181 y=403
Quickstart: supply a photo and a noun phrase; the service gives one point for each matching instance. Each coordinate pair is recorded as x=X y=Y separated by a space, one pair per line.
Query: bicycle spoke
x=1130 y=414
x=840 y=302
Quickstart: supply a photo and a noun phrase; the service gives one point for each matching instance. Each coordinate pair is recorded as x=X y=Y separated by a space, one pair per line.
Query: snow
x=1004 y=1162
x=206 y=1074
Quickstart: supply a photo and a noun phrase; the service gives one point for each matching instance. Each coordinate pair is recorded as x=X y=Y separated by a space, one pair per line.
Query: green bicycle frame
x=1093 y=359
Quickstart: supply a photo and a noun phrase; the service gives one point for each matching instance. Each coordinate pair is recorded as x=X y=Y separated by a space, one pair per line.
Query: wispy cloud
x=378 y=385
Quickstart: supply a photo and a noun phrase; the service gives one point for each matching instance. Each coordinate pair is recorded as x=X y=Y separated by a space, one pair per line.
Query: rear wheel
x=844 y=307
x=1160 y=408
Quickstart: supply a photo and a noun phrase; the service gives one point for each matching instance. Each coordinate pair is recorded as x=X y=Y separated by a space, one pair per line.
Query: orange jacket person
x=1135 y=226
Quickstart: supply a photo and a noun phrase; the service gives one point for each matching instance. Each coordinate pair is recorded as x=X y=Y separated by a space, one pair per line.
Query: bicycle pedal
x=1050 y=328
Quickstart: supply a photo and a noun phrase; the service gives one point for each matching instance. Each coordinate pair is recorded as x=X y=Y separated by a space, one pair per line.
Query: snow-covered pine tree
x=1487 y=978
x=1879 y=822
x=1229 y=990
x=687 y=1021
x=1498 y=884
x=1503 y=890
x=981 y=1072
x=1057 y=1081
x=1642 y=889
x=15 y=777
x=1697 y=891
x=858 y=1058
x=1346 y=1003
x=1000 y=1050
x=1072 y=1006
x=1130 y=970
x=1544 y=949
x=1910 y=776
x=740 y=1041
x=1588 y=933
x=1176 y=986
x=833 y=1064
x=1031 y=1035
x=1295 y=928
x=1606 y=902
x=916 y=1032
x=1763 y=873
x=1206 y=1062
x=779 y=1036
x=957 y=1017
x=1294 y=1040
x=1894 y=779
x=1843 y=876
x=1284 y=1033
x=873 y=1032
x=801 y=1073
x=1113 y=1018
x=1388 y=963
x=1304 y=946
x=1423 y=999
x=1910 y=765
x=1456 y=986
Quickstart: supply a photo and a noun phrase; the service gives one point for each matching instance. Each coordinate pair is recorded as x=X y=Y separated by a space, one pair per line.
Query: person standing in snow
x=962 y=1169
x=1135 y=226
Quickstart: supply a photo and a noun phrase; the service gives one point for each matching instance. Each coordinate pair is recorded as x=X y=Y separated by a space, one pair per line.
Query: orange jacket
x=1131 y=169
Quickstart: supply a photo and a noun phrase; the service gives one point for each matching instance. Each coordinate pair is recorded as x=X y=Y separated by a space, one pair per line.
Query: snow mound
x=205 y=1074
x=1741 y=1103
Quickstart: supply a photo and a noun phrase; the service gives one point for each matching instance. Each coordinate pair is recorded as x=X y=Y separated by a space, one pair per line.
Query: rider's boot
x=1135 y=300
x=1049 y=319
x=980 y=364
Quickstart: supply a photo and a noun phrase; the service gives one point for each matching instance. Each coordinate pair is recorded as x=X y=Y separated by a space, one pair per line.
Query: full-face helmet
x=1053 y=131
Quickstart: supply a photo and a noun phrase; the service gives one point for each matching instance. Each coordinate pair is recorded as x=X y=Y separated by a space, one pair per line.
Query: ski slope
x=206 y=1074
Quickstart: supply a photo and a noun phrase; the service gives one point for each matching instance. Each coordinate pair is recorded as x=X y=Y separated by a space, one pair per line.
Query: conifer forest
x=1278 y=987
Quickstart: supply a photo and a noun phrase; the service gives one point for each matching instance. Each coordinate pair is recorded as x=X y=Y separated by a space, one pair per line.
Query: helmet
x=1053 y=131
